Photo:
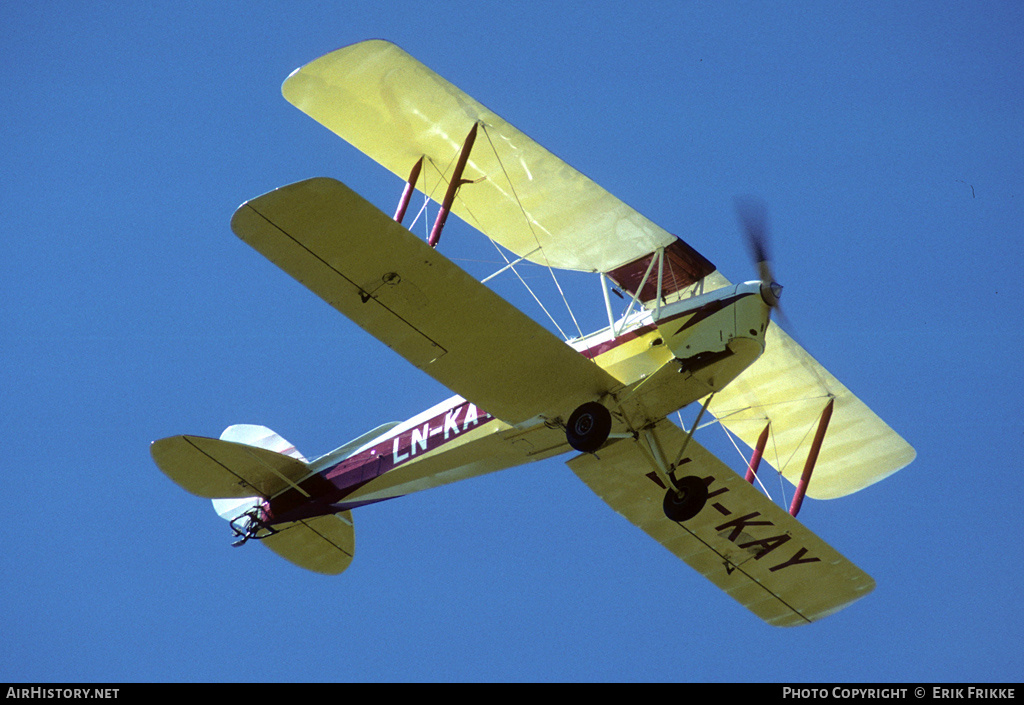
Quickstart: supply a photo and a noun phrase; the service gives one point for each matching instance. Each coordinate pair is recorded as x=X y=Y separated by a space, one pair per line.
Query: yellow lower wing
x=418 y=302
x=741 y=541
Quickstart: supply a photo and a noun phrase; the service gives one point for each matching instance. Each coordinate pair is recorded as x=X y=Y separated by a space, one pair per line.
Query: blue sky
x=888 y=142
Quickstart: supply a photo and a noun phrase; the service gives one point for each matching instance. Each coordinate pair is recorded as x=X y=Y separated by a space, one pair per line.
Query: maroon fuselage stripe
x=330 y=486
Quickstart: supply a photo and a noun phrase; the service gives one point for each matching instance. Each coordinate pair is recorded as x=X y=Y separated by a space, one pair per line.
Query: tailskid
x=251 y=525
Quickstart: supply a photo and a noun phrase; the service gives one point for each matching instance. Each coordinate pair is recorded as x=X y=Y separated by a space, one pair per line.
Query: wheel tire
x=588 y=427
x=686 y=501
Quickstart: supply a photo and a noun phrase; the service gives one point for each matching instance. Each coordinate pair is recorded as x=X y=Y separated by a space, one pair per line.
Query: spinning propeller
x=754 y=220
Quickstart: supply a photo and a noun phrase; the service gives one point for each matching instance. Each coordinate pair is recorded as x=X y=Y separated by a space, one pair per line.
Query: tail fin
x=260 y=437
x=323 y=544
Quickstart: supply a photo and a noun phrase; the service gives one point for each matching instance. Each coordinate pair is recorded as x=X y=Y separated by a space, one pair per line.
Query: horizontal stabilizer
x=741 y=541
x=213 y=468
x=323 y=544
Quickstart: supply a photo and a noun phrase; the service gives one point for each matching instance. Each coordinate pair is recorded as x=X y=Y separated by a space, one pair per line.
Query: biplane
x=688 y=337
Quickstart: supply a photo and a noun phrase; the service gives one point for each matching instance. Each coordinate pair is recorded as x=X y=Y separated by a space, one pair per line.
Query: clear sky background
x=887 y=140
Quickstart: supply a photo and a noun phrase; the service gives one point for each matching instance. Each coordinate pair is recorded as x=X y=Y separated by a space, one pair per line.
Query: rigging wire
x=779 y=465
x=746 y=460
x=508 y=264
x=515 y=271
x=529 y=224
x=422 y=211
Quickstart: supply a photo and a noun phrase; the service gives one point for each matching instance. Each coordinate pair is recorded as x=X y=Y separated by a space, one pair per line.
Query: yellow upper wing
x=789 y=388
x=394 y=109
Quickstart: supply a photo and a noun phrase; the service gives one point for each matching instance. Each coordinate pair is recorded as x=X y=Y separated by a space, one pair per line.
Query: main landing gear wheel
x=687 y=499
x=588 y=427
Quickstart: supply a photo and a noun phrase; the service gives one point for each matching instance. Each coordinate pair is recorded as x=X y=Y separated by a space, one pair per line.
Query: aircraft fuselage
x=665 y=359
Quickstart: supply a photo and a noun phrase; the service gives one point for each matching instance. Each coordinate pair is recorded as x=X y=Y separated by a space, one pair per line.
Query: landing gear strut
x=588 y=427
x=686 y=499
